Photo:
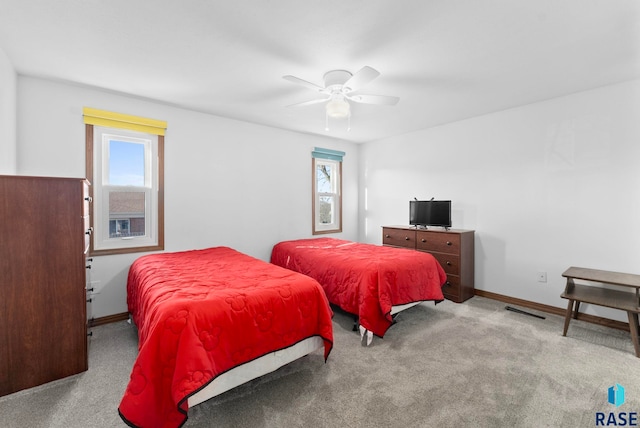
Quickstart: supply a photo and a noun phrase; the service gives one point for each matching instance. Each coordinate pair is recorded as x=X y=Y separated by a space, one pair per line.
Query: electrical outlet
x=542 y=277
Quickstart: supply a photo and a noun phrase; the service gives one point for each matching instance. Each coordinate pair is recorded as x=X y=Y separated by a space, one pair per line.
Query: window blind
x=329 y=154
x=110 y=119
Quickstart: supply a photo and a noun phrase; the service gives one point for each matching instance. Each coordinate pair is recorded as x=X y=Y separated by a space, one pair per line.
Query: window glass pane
x=126 y=214
x=326 y=209
x=126 y=163
x=323 y=177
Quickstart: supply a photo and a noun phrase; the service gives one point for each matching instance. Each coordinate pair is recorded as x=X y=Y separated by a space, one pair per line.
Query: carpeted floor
x=451 y=365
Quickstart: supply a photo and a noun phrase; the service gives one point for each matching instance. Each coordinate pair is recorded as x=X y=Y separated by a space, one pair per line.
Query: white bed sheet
x=399 y=308
x=256 y=368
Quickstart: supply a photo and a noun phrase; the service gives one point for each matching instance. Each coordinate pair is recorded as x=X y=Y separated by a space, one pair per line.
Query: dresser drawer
x=86 y=200
x=438 y=242
x=451 y=288
x=399 y=237
x=449 y=262
x=87 y=233
x=86 y=213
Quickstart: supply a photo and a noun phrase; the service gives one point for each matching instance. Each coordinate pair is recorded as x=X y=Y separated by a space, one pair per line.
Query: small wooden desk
x=601 y=296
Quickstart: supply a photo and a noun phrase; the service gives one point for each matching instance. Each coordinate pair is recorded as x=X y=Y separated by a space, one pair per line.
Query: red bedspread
x=200 y=313
x=364 y=279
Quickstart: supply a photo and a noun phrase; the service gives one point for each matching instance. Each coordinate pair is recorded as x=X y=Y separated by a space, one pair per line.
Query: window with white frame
x=327 y=191
x=124 y=166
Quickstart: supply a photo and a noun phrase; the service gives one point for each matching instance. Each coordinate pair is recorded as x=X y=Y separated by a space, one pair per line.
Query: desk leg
x=567 y=317
x=633 y=329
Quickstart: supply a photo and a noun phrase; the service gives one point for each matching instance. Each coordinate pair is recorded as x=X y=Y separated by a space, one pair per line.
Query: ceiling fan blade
x=308 y=103
x=365 y=75
x=374 y=99
x=308 y=85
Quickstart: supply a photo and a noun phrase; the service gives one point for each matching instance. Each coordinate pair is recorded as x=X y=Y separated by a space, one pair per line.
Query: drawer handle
x=89 y=231
x=448 y=263
x=387 y=236
x=448 y=284
x=449 y=243
x=88 y=199
x=88 y=266
x=406 y=238
x=423 y=240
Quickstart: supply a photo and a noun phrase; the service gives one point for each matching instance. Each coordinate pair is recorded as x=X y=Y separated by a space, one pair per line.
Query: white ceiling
x=447 y=60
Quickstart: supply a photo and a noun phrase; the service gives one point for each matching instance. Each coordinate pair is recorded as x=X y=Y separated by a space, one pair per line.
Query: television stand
x=452 y=248
x=423 y=227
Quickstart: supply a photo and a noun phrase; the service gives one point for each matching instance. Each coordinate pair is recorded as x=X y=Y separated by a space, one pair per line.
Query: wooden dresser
x=44 y=236
x=453 y=248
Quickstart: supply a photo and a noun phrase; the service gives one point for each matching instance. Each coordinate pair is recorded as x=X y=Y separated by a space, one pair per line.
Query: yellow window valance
x=110 y=119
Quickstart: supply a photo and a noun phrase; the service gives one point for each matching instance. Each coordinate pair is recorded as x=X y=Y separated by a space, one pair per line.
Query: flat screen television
x=430 y=213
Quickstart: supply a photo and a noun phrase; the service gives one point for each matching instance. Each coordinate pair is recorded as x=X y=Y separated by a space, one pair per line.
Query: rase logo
x=615 y=396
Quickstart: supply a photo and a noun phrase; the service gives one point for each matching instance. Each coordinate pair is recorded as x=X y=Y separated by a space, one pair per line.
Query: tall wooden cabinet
x=44 y=236
x=454 y=249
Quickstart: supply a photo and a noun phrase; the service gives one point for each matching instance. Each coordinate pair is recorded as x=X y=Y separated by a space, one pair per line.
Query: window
x=327 y=191
x=119 y=227
x=125 y=156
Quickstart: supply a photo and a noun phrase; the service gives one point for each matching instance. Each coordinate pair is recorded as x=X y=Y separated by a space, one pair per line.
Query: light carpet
x=448 y=365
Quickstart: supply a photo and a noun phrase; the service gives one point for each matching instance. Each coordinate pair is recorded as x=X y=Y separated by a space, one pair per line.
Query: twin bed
x=210 y=320
x=371 y=282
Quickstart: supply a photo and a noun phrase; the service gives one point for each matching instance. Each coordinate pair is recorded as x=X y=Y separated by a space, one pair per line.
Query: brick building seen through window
x=126 y=214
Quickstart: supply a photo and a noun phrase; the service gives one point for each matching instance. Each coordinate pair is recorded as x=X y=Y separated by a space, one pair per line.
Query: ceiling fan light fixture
x=338 y=108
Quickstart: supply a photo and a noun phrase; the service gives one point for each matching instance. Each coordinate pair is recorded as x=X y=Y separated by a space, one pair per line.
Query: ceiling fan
x=339 y=88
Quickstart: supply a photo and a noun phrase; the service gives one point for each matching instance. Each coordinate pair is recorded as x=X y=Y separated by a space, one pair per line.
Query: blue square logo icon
x=616 y=395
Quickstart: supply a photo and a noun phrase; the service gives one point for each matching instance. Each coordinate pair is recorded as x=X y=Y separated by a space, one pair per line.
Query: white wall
x=226 y=182
x=7 y=116
x=545 y=186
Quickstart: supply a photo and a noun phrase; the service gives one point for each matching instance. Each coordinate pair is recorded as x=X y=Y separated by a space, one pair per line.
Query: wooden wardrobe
x=44 y=237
